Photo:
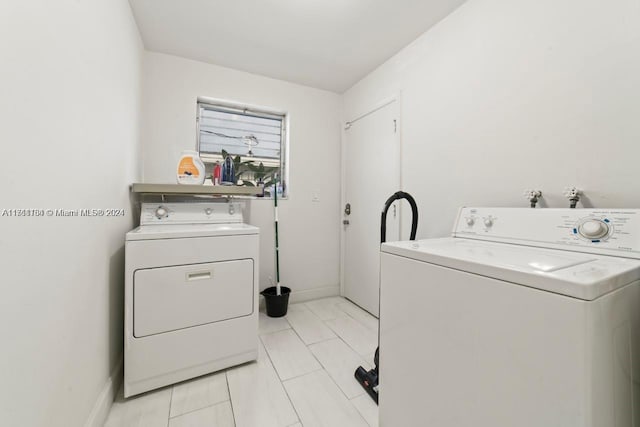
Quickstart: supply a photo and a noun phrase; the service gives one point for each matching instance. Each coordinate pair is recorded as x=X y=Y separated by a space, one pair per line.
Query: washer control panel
x=594 y=229
x=605 y=231
x=162 y=212
x=191 y=213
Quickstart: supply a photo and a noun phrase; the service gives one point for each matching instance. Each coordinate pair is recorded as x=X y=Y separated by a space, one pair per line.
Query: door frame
x=397 y=97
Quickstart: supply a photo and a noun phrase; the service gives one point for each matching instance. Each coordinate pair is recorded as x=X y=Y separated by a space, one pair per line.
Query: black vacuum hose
x=414 y=214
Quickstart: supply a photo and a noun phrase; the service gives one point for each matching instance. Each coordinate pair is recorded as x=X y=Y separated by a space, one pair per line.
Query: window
x=256 y=141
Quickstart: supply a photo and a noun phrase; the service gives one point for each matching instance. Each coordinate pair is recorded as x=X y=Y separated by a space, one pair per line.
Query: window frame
x=257 y=111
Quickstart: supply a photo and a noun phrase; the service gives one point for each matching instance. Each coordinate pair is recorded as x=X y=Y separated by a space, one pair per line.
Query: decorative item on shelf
x=228 y=171
x=250 y=173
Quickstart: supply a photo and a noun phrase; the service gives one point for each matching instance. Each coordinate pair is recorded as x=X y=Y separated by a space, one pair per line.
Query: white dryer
x=191 y=293
x=524 y=317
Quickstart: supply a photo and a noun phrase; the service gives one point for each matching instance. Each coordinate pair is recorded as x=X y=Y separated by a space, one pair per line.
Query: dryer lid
x=578 y=275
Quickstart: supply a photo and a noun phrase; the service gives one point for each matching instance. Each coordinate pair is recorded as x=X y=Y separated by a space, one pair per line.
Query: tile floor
x=303 y=377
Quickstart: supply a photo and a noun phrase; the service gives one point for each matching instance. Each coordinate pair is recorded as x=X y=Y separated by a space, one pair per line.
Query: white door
x=372 y=175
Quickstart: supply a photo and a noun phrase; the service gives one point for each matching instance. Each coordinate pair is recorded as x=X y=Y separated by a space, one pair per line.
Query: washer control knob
x=488 y=222
x=208 y=211
x=470 y=221
x=161 y=212
x=593 y=229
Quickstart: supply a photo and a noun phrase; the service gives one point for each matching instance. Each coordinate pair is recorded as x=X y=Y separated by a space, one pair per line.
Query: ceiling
x=327 y=44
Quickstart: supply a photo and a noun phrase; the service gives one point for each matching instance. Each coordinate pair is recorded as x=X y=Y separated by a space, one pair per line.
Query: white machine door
x=170 y=298
x=372 y=175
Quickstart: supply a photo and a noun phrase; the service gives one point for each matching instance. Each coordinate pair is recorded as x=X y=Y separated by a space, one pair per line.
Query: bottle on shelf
x=228 y=173
x=190 y=168
x=217 y=172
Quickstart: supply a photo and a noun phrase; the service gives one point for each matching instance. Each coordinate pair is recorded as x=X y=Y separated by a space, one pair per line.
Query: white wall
x=309 y=231
x=505 y=96
x=70 y=91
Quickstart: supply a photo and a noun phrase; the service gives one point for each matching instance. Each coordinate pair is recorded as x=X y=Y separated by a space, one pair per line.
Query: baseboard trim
x=101 y=408
x=310 y=294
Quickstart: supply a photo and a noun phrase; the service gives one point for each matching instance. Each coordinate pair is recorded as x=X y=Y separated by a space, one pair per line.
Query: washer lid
x=177 y=231
x=578 y=275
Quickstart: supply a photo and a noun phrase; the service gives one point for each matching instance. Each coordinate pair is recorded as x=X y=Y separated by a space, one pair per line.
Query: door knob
x=347 y=209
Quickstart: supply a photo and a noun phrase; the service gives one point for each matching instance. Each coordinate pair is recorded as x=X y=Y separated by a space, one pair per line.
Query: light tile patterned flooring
x=303 y=377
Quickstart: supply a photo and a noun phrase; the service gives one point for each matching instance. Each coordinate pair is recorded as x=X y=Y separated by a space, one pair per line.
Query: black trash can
x=276 y=304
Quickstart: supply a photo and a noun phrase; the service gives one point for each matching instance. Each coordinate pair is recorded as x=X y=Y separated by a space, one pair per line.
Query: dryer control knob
x=488 y=222
x=593 y=229
x=470 y=221
x=161 y=212
x=208 y=211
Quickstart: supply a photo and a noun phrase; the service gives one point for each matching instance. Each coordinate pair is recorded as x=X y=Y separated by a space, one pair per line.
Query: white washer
x=525 y=317
x=191 y=293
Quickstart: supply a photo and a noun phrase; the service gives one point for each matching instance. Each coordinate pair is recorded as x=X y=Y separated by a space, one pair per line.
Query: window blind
x=240 y=132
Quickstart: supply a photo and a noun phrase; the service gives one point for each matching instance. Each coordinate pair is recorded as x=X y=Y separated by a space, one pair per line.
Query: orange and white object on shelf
x=190 y=168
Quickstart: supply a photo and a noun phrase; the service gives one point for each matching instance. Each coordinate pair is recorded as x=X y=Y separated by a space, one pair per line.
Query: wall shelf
x=207 y=190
